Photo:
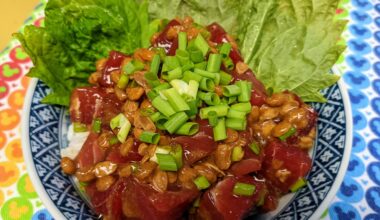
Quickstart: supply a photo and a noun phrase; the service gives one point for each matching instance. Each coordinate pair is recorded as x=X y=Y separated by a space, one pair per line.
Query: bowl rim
x=56 y=213
x=26 y=149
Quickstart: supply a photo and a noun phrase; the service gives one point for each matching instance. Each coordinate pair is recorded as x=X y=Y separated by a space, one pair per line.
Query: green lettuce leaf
x=292 y=44
x=76 y=34
x=225 y=12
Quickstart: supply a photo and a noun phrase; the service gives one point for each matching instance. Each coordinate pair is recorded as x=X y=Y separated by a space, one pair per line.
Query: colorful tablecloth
x=359 y=194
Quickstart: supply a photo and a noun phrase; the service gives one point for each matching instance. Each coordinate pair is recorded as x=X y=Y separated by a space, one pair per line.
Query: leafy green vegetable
x=77 y=33
x=292 y=44
x=225 y=12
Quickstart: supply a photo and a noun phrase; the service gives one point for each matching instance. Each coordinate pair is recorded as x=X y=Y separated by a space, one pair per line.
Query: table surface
x=359 y=194
x=13 y=13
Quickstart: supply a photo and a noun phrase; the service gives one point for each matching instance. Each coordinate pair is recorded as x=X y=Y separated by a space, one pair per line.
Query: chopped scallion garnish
x=189 y=128
x=201 y=44
x=225 y=49
x=243 y=107
x=166 y=162
x=163 y=106
x=289 y=133
x=97 y=125
x=175 y=100
x=237 y=153
x=182 y=40
x=301 y=182
x=244 y=189
x=255 y=148
x=149 y=137
x=201 y=182
x=177 y=153
x=219 y=130
x=175 y=122
x=214 y=63
x=79 y=127
x=236 y=124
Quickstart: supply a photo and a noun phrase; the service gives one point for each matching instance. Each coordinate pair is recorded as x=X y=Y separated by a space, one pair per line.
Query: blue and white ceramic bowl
x=44 y=135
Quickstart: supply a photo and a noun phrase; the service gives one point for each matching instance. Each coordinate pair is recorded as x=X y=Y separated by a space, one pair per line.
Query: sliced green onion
x=182 y=40
x=229 y=100
x=201 y=65
x=180 y=86
x=175 y=100
x=163 y=106
x=161 y=87
x=237 y=153
x=183 y=56
x=236 y=124
x=160 y=150
x=301 y=182
x=232 y=113
x=210 y=98
x=221 y=110
x=255 y=148
x=228 y=63
x=121 y=122
x=196 y=55
x=166 y=162
x=188 y=75
x=175 y=122
x=113 y=140
x=189 y=128
x=123 y=81
x=177 y=153
x=152 y=79
x=155 y=64
x=225 y=49
x=217 y=78
x=170 y=63
x=219 y=130
x=174 y=74
x=243 y=107
x=155 y=116
x=244 y=189
x=201 y=182
x=212 y=118
x=214 y=62
x=149 y=137
x=187 y=66
x=225 y=78
x=124 y=131
x=192 y=90
x=231 y=90
x=161 y=122
x=129 y=68
x=117 y=121
x=245 y=94
x=79 y=127
x=197 y=202
x=204 y=73
x=151 y=95
x=97 y=125
x=133 y=66
x=201 y=44
x=160 y=51
x=193 y=104
x=289 y=133
x=139 y=65
x=207 y=84
x=147 y=111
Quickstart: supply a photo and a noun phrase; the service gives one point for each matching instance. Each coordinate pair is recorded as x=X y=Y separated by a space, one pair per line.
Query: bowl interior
x=45 y=131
